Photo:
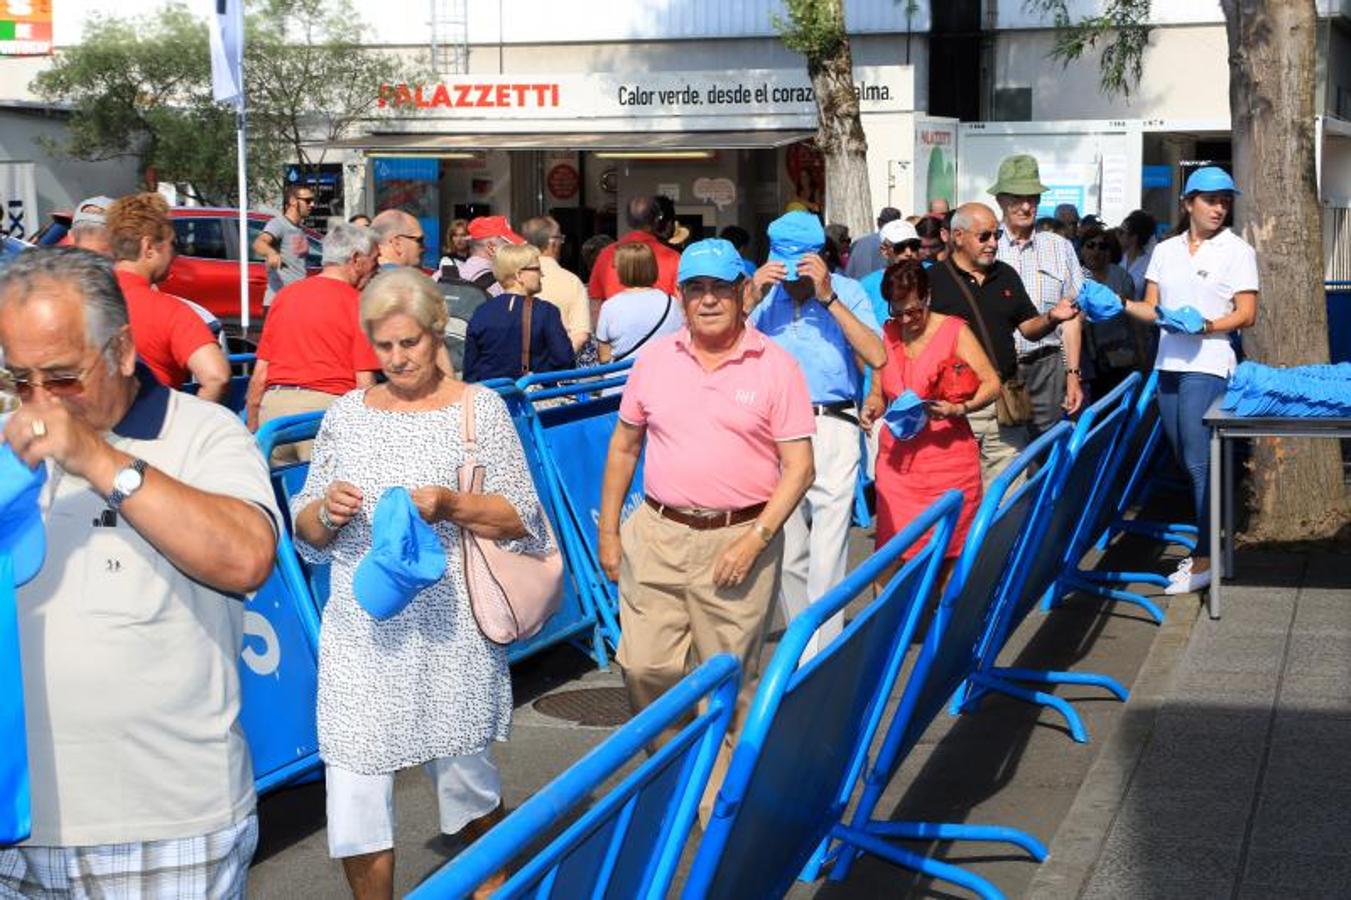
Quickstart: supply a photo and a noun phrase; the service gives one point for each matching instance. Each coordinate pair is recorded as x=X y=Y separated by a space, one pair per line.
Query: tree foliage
x=814 y=28
x=1122 y=29
x=142 y=88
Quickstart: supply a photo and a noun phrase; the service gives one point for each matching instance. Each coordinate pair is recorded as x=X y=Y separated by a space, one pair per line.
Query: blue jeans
x=1184 y=398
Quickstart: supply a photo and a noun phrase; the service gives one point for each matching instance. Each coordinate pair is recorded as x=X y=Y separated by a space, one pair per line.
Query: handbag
x=1013 y=406
x=957 y=382
x=511 y=594
x=525 y=335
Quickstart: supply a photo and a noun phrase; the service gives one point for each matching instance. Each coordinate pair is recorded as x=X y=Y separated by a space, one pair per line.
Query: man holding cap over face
x=728 y=427
x=826 y=322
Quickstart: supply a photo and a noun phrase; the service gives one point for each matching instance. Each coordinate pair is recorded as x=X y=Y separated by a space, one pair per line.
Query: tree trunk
x=840 y=139
x=1297 y=486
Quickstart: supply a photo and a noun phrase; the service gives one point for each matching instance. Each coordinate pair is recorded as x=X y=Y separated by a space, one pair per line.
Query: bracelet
x=1069 y=371
x=829 y=301
x=324 y=520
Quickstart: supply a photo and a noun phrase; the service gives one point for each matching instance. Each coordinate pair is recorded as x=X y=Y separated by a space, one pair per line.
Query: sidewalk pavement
x=1198 y=786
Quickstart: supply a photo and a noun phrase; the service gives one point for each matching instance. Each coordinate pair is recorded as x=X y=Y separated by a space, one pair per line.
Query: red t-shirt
x=605 y=281
x=166 y=330
x=312 y=337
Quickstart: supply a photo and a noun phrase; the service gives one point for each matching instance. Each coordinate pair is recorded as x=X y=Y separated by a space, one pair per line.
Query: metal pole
x=243 y=222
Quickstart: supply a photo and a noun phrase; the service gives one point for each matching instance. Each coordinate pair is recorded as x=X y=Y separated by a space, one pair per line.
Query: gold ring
x=39 y=428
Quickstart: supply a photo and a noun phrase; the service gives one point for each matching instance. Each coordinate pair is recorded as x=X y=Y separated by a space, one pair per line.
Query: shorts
x=361 y=807
x=214 y=865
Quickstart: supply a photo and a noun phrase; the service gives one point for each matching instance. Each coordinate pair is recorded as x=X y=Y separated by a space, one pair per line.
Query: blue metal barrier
x=278 y=667
x=1063 y=530
x=571 y=439
x=628 y=843
x=15 y=814
x=990 y=564
x=806 y=738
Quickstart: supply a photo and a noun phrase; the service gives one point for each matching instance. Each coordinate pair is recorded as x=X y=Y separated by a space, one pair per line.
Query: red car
x=206 y=268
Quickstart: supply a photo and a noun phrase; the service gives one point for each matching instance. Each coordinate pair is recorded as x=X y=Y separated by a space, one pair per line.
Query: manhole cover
x=604 y=707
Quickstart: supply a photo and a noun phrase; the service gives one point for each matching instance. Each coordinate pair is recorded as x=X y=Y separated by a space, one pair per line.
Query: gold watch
x=762 y=532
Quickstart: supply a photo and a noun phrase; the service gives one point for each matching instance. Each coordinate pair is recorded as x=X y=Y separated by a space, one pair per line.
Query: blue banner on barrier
x=14 y=799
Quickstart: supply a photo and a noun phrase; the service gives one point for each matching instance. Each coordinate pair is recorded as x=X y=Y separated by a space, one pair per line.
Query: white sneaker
x=1182 y=572
x=1190 y=583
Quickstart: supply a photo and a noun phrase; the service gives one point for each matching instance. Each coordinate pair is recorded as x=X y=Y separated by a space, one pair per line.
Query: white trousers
x=816 y=535
x=361 y=807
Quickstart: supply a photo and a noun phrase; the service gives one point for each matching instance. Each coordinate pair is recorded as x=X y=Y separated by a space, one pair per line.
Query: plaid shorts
x=212 y=866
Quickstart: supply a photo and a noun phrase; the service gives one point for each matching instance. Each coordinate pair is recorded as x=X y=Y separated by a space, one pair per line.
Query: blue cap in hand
x=1182 y=320
x=406 y=556
x=792 y=236
x=22 y=536
x=1098 y=301
x=906 y=416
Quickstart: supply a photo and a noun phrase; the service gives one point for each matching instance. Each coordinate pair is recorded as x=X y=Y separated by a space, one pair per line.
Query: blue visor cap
x=1208 y=179
x=1098 y=301
x=405 y=557
x=710 y=258
x=906 y=416
x=792 y=236
x=22 y=536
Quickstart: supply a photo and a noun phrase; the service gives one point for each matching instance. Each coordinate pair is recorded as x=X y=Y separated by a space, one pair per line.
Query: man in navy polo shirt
x=826 y=322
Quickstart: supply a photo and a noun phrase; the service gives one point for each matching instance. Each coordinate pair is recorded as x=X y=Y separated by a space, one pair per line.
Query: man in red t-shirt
x=313 y=349
x=646 y=219
x=170 y=338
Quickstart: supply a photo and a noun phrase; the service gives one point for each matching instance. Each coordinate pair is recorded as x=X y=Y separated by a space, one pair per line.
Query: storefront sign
x=25 y=27
x=721 y=192
x=412 y=185
x=773 y=92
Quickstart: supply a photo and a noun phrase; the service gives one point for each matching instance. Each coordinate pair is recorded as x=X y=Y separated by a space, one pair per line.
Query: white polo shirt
x=131 y=687
x=1207 y=280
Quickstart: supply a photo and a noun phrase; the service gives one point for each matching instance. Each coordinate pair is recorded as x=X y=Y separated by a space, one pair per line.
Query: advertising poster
x=412 y=186
x=935 y=162
x=18 y=200
x=25 y=27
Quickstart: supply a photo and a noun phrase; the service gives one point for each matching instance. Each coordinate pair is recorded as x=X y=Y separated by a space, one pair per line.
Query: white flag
x=227 y=51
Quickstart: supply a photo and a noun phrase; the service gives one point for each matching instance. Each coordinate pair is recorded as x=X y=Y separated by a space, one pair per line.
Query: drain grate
x=604 y=707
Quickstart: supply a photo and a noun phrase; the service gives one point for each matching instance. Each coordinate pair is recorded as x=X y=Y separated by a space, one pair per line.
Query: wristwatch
x=829 y=301
x=126 y=482
x=762 y=532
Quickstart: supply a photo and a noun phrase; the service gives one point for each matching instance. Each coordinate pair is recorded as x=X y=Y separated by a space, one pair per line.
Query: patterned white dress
x=424 y=683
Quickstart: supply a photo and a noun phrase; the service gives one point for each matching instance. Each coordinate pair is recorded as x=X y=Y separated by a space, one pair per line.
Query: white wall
x=1014 y=14
x=1186 y=77
x=61 y=183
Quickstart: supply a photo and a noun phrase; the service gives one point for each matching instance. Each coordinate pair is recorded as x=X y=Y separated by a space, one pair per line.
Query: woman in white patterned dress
x=423 y=686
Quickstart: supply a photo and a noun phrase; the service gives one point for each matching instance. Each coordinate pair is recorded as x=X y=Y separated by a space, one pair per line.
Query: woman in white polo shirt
x=1214 y=271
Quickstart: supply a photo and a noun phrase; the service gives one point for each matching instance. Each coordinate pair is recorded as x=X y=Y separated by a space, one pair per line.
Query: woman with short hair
x=422 y=686
x=494 y=345
x=639 y=313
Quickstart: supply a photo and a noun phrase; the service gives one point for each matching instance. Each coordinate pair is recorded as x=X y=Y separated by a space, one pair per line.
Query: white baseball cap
x=898 y=232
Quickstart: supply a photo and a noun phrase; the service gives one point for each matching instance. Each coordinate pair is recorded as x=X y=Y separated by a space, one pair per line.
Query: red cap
x=485 y=227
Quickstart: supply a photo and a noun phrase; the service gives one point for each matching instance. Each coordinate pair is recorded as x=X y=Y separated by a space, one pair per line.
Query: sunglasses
x=61 y=384
x=419 y=239
x=985 y=237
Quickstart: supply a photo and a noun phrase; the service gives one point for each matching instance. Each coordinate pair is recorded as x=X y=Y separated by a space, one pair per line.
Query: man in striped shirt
x=1050 y=271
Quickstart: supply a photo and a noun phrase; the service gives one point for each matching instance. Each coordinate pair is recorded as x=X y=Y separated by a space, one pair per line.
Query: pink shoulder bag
x=512 y=594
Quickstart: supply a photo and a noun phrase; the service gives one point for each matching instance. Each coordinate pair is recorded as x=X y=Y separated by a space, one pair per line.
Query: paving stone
x=1182 y=815
x=1248 y=614
x=1311 y=819
x=1226 y=691
x=1298 y=874
x=1323 y=612
x=1320 y=654
x=1236 y=652
x=1163 y=869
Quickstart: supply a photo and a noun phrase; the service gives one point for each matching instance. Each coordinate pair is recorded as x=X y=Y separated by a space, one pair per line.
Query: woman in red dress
x=926 y=353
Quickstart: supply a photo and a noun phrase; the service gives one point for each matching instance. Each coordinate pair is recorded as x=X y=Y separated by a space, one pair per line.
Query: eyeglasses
x=558 y=238
x=985 y=237
x=61 y=384
x=419 y=239
x=695 y=290
x=304 y=199
x=528 y=269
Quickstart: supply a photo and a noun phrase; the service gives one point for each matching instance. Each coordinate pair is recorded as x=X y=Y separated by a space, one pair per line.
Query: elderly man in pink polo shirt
x=728 y=423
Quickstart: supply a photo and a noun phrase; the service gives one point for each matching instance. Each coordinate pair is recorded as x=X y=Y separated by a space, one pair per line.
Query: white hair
x=105 y=310
x=344 y=240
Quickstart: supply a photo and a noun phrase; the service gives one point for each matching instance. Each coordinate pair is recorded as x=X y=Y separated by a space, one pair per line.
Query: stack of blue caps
x=1318 y=391
x=1184 y=320
x=1098 y=301
x=906 y=416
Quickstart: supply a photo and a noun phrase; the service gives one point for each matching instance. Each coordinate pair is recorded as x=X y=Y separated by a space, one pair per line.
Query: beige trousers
x=672 y=617
x=290 y=402
x=999 y=444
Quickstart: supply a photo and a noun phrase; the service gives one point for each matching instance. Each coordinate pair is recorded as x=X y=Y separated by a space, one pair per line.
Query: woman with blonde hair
x=417 y=683
x=514 y=334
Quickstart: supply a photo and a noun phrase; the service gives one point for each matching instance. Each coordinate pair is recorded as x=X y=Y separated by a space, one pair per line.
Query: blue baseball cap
x=405 y=557
x=22 y=536
x=906 y=416
x=1208 y=179
x=792 y=236
x=1098 y=301
x=710 y=258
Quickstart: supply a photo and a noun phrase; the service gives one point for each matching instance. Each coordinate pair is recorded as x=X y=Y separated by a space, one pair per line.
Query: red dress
x=912 y=474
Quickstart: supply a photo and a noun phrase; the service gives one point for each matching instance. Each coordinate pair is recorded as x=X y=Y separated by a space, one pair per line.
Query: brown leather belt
x=707 y=521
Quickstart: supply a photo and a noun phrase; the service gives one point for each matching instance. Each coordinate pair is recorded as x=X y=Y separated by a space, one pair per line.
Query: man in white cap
x=89 y=225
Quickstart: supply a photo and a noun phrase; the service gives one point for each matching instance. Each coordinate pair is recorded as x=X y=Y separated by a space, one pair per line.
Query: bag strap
x=467 y=431
x=647 y=337
x=975 y=309
x=525 y=335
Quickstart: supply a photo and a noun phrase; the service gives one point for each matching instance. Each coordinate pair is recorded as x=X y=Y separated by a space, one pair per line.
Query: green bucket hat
x=1018 y=174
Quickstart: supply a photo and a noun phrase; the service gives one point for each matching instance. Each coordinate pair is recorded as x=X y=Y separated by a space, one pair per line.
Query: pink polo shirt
x=712 y=436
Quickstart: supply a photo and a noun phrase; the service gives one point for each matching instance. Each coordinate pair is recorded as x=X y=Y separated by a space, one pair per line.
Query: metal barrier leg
x=1178 y=533
x=1045 y=676
x=916 y=862
x=1217 y=569
x=1027 y=695
x=1096 y=583
x=945 y=831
